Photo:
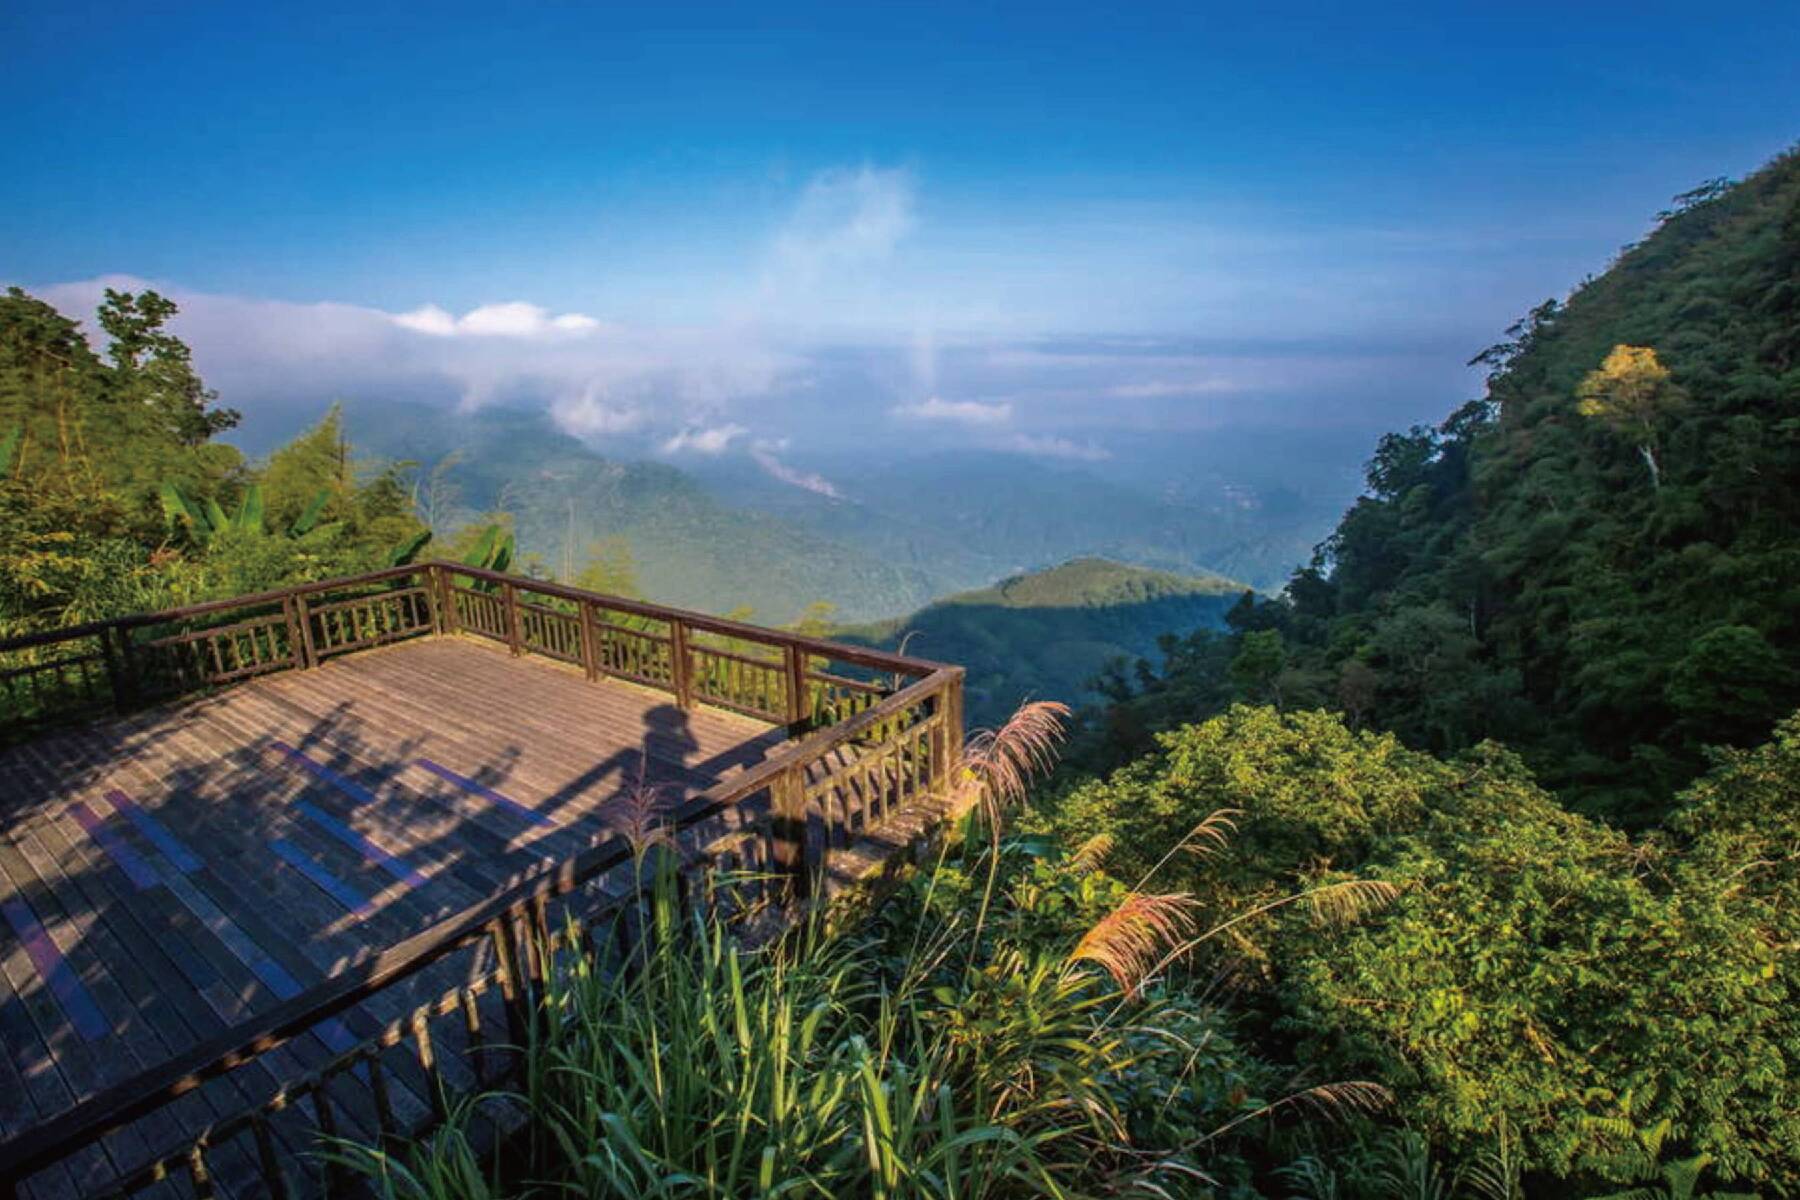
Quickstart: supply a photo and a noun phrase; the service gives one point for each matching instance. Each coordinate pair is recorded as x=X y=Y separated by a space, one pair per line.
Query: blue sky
x=1024 y=224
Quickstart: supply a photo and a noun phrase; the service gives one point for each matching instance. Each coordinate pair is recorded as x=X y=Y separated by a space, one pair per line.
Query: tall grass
x=938 y=1056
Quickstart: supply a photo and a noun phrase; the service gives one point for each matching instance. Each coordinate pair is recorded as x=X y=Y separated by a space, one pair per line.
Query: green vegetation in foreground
x=1278 y=958
x=1048 y=634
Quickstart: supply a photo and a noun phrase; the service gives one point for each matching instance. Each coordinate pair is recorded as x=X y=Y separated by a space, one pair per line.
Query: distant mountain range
x=1045 y=635
x=688 y=547
x=725 y=534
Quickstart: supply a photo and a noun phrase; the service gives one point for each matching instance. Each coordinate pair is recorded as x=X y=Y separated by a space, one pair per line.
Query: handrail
x=161 y=617
x=934 y=694
x=862 y=656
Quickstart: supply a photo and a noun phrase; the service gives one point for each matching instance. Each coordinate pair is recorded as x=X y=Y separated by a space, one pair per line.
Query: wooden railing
x=775 y=675
x=872 y=731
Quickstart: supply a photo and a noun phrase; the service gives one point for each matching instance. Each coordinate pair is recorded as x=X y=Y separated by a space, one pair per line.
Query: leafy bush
x=1538 y=970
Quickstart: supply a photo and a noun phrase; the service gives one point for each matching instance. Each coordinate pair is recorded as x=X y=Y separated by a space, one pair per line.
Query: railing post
x=515 y=636
x=681 y=667
x=446 y=580
x=308 y=656
x=121 y=671
x=950 y=703
x=787 y=828
x=590 y=654
x=290 y=615
x=428 y=580
x=799 y=712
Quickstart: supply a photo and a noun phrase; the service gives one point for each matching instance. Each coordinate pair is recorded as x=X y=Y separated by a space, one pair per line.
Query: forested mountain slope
x=687 y=548
x=969 y=516
x=1598 y=562
x=1048 y=635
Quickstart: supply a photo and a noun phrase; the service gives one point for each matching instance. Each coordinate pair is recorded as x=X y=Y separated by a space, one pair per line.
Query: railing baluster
x=198 y=1173
x=385 y=1125
x=434 y=1082
x=267 y=1164
x=478 y=1051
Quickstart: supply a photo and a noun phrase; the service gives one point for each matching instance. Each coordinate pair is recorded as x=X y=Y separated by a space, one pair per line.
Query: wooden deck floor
x=167 y=874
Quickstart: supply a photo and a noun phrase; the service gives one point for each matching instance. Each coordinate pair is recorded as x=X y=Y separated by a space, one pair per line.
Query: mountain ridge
x=1045 y=635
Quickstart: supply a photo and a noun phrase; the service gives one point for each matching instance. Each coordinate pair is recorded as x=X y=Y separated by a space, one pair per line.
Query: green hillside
x=687 y=547
x=1596 y=563
x=1048 y=634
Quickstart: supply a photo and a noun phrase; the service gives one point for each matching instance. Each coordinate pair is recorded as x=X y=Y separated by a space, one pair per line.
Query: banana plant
x=309 y=517
x=408 y=550
x=208 y=520
x=493 y=551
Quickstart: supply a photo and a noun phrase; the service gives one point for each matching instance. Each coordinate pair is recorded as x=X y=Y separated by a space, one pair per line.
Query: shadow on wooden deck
x=166 y=875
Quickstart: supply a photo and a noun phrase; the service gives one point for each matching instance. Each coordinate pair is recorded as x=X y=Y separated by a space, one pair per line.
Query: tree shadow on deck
x=172 y=954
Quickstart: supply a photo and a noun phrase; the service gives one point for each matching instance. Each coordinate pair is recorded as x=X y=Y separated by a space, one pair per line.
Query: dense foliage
x=1596 y=563
x=1538 y=972
x=115 y=496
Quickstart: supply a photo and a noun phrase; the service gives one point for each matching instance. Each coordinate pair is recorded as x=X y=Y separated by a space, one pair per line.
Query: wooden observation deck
x=296 y=863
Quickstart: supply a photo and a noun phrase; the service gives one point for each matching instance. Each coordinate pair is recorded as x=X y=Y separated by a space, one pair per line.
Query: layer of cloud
x=1038 y=445
x=711 y=441
x=955 y=412
x=764 y=455
x=825 y=333
x=515 y=319
x=1157 y=389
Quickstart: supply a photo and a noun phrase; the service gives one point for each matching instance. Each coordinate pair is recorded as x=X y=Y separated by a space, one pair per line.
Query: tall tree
x=1631 y=393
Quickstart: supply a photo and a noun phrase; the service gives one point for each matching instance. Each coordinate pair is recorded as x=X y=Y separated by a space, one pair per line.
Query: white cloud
x=1050 y=446
x=764 y=454
x=955 y=412
x=711 y=441
x=515 y=319
x=845 y=218
x=591 y=415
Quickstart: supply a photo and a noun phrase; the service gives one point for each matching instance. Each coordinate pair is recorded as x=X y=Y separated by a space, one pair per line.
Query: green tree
x=1257 y=669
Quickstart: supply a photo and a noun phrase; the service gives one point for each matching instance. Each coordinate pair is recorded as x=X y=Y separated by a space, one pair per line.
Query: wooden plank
x=77 y=1003
x=128 y=860
x=77 y=1061
x=148 y=1027
x=354 y=901
x=318 y=770
x=179 y=856
x=370 y=850
x=474 y=788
